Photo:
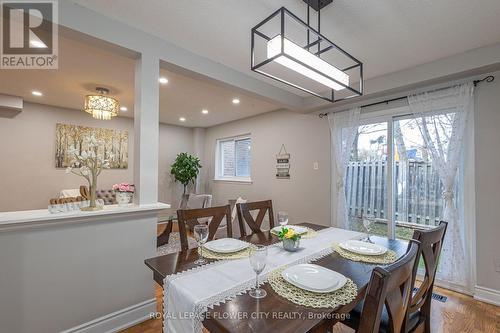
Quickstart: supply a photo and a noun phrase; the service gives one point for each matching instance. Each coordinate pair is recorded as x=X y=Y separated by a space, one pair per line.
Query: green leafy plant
x=288 y=233
x=185 y=169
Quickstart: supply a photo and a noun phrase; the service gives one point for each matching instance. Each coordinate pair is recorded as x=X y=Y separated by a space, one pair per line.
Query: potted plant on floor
x=185 y=170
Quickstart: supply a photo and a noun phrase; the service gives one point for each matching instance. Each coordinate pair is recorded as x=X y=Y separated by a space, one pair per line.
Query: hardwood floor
x=460 y=314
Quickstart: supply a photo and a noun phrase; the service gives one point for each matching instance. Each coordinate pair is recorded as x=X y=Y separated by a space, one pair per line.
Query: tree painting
x=114 y=147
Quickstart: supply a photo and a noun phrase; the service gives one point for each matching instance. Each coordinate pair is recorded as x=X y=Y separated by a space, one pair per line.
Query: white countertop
x=43 y=215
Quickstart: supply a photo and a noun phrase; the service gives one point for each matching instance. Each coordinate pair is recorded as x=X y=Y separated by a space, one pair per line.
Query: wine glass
x=368 y=221
x=283 y=218
x=201 y=236
x=258 y=258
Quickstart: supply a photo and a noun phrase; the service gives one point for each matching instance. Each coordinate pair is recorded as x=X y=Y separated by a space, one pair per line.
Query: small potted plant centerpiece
x=124 y=193
x=291 y=240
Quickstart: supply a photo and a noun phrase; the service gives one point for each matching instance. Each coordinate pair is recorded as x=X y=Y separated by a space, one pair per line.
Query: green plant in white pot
x=185 y=169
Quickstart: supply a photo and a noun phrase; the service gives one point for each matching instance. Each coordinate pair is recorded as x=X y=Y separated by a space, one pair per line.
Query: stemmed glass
x=367 y=223
x=201 y=236
x=283 y=218
x=258 y=259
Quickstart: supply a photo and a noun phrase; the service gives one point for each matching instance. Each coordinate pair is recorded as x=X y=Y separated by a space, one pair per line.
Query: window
x=234 y=159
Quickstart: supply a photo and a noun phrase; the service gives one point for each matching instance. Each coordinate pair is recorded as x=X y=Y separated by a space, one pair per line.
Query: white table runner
x=188 y=295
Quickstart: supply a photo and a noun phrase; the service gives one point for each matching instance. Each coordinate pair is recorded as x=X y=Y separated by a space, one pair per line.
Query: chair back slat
x=391 y=288
x=431 y=244
x=213 y=214
x=245 y=215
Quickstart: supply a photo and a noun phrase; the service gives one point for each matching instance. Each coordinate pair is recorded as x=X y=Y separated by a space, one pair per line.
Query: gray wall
x=306 y=196
x=487 y=169
x=28 y=174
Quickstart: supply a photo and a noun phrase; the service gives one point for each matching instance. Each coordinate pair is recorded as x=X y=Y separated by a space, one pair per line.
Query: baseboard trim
x=119 y=320
x=487 y=295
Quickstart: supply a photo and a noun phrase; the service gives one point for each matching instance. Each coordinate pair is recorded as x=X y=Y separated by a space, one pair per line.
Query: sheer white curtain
x=343 y=129
x=442 y=117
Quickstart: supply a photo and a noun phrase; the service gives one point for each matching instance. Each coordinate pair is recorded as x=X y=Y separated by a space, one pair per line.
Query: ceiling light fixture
x=318 y=66
x=101 y=106
x=204 y=111
x=124 y=109
x=236 y=101
x=36 y=93
x=163 y=80
x=182 y=119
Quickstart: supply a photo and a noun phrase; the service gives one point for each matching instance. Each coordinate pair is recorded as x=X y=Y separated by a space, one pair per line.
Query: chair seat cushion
x=355 y=317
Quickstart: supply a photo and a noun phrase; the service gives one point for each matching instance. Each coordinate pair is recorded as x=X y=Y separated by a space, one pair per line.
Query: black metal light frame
x=319 y=39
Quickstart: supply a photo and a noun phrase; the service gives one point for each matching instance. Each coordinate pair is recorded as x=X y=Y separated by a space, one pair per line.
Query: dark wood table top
x=275 y=313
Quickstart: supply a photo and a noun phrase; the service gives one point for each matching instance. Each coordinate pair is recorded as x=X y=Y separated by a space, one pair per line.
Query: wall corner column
x=146 y=128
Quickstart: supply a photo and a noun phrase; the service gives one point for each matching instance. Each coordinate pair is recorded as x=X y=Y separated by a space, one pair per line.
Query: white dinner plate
x=226 y=245
x=365 y=248
x=298 y=229
x=314 y=278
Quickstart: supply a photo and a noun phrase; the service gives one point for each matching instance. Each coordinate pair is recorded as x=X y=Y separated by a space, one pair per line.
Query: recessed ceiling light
x=124 y=109
x=163 y=80
x=182 y=119
x=204 y=111
x=236 y=101
x=36 y=93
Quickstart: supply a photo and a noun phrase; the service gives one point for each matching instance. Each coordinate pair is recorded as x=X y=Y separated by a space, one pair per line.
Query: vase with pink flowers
x=124 y=193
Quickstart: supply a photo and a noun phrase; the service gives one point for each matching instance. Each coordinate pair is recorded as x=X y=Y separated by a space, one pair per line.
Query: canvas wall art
x=114 y=147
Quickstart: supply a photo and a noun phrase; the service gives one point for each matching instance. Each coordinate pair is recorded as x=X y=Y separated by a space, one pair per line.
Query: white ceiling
x=82 y=67
x=387 y=35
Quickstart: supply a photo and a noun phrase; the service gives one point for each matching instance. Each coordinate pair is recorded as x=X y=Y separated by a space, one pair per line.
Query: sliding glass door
x=391 y=178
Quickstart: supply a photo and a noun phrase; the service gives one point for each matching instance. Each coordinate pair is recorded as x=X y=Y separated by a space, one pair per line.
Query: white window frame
x=219 y=163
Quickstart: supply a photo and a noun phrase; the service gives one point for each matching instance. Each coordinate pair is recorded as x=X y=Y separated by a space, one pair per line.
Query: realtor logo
x=29 y=34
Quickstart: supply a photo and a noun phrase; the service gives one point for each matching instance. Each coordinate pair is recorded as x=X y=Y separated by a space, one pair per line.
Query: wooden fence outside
x=418 y=200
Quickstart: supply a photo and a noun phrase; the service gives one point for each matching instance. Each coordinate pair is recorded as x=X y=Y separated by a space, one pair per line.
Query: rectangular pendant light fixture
x=304 y=58
x=300 y=60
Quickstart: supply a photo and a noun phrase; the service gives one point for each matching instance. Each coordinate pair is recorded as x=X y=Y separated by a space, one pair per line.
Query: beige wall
x=28 y=174
x=487 y=169
x=306 y=196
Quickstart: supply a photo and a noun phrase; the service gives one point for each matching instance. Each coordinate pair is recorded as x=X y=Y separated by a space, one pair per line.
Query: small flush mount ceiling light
x=289 y=50
x=204 y=111
x=236 y=101
x=36 y=93
x=100 y=105
x=182 y=119
x=124 y=109
x=163 y=80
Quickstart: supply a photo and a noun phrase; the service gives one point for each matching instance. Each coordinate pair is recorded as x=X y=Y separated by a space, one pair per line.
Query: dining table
x=275 y=313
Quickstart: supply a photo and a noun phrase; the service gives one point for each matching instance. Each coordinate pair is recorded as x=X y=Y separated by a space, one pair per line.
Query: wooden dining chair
x=245 y=215
x=212 y=214
x=387 y=297
x=431 y=243
x=189 y=201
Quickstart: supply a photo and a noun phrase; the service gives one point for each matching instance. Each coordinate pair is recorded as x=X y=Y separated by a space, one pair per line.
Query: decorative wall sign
x=114 y=148
x=283 y=164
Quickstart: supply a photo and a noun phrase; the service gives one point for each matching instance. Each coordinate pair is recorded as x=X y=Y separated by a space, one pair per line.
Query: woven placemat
x=387 y=258
x=342 y=296
x=245 y=253
x=311 y=233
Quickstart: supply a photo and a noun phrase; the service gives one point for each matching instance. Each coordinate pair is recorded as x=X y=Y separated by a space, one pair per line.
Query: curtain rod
x=489 y=78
